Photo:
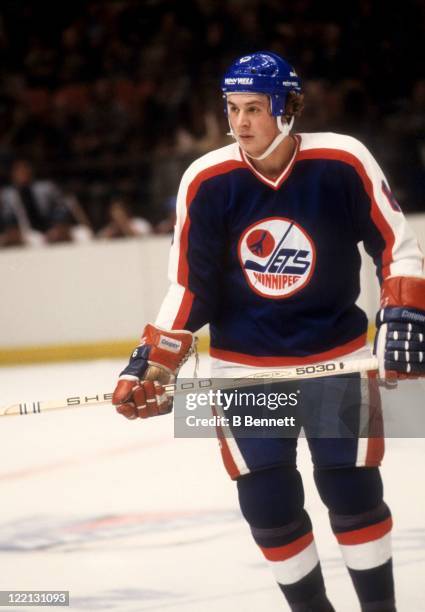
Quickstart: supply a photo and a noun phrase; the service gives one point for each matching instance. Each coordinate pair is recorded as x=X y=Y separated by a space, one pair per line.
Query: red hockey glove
x=154 y=363
x=400 y=337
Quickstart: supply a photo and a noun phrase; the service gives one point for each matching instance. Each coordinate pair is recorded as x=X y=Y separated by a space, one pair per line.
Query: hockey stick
x=196 y=385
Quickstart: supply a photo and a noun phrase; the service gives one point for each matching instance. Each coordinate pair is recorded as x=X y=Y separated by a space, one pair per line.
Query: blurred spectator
x=166 y=225
x=34 y=212
x=122 y=223
x=104 y=92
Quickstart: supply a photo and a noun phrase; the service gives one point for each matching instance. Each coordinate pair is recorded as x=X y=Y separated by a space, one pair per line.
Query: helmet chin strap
x=284 y=129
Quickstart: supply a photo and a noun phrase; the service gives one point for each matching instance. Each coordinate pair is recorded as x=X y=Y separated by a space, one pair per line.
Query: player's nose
x=242 y=120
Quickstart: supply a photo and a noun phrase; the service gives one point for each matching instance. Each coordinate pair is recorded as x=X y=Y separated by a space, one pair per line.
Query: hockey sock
x=272 y=502
x=361 y=522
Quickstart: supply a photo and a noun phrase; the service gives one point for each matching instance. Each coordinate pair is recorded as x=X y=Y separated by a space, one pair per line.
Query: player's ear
x=294 y=105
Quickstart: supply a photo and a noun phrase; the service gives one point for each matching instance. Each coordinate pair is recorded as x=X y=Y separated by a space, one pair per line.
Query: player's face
x=251 y=121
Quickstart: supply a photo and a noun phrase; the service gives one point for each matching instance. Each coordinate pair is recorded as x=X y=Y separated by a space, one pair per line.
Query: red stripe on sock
x=366 y=534
x=280 y=553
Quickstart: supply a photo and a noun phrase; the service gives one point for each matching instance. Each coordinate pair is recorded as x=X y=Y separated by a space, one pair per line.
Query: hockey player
x=265 y=251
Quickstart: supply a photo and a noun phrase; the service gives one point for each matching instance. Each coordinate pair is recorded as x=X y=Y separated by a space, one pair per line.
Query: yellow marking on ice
x=371 y=331
x=90 y=350
x=75 y=352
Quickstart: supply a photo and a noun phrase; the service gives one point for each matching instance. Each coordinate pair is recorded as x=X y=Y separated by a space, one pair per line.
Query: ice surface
x=128 y=518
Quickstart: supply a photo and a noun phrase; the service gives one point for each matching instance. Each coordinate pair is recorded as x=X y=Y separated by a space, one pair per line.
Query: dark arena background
x=103 y=105
x=116 y=98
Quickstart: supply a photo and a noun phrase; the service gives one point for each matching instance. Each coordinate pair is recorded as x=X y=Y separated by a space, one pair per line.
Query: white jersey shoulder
x=331 y=140
x=403 y=256
x=213 y=158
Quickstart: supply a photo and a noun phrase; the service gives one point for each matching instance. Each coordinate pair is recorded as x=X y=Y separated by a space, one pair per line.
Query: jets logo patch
x=277 y=257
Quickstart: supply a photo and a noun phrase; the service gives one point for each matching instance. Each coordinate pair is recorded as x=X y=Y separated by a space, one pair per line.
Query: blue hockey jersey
x=273 y=265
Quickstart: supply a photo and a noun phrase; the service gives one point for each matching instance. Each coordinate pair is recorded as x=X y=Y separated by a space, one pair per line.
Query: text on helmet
x=238 y=81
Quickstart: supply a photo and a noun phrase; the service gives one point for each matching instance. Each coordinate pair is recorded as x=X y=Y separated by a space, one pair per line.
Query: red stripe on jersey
x=184 y=310
x=229 y=462
x=223 y=168
x=376 y=214
x=389 y=238
x=376 y=444
x=253 y=360
x=367 y=534
x=281 y=553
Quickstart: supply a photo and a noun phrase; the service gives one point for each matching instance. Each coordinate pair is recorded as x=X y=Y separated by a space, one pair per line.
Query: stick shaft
x=328 y=368
x=94 y=399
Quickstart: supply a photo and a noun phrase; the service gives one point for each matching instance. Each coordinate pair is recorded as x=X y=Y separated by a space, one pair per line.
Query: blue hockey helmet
x=262 y=72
